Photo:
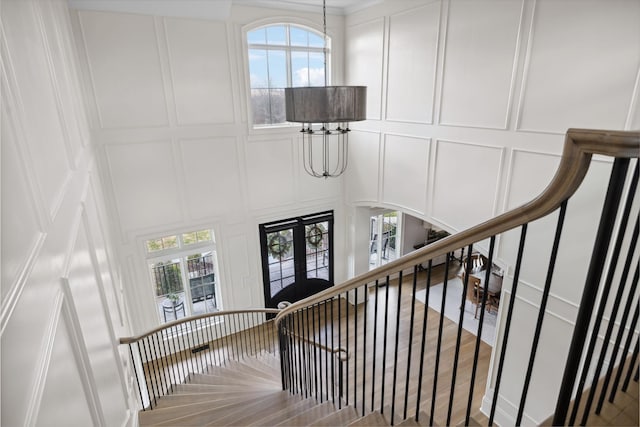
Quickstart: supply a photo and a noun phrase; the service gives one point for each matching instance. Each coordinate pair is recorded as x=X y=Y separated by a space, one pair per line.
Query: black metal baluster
x=326 y=343
x=541 y=312
x=200 y=334
x=315 y=347
x=153 y=393
x=364 y=345
x=412 y=317
x=222 y=339
x=439 y=346
x=340 y=379
x=605 y=295
x=317 y=311
x=616 y=346
x=590 y=292
x=634 y=358
x=168 y=359
x=507 y=326
x=480 y=324
x=178 y=353
x=375 y=350
x=614 y=314
x=423 y=343
x=395 y=354
x=135 y=371
x=333 y=368
x=465 y=285
x=355 y=350
x=158 y=363
x=384 y=343
x=346 y=319
x=625 y=351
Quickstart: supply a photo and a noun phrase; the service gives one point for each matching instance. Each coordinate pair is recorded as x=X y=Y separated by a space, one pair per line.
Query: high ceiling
x=216 y=9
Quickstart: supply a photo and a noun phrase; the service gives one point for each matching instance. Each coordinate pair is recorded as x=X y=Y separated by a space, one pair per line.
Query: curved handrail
x=129 y=340
x=579 y=146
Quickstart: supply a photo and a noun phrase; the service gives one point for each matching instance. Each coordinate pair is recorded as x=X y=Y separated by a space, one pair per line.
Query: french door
x=297 y=257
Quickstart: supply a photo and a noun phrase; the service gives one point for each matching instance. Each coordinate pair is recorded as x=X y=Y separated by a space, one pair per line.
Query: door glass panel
x=280 y=250
x=317 y=250
x=170 y=293
x=202 y=281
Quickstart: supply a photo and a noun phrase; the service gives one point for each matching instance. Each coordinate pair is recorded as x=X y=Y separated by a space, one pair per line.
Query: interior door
x=297 y=257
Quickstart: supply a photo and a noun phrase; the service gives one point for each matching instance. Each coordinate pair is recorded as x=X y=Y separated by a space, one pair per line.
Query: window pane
x=277 y=35
x=170 y=242
x=316 y=67
x=204 y=235
x=278 y=113
x=299 y=37
x=299 y=69
x=257 y=36
x=260 y=106
x=202 y=283
x=258 y=71
x=277 y=69
x=154 y=245
x=189 y=238
x=315 y=40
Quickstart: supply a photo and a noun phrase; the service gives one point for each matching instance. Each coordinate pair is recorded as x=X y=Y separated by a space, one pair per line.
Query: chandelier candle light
x=329 y=109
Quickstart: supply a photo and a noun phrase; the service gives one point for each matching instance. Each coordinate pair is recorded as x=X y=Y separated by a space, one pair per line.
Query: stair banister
x=579 y=147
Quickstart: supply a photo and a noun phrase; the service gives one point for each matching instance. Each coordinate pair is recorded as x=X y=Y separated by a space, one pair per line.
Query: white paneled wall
x=491 y=87
x=61 y=292
x=169 y=115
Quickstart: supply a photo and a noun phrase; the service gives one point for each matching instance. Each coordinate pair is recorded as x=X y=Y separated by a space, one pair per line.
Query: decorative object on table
x=322 y=107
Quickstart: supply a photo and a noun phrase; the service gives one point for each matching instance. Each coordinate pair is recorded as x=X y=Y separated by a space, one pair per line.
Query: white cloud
x=309 y=77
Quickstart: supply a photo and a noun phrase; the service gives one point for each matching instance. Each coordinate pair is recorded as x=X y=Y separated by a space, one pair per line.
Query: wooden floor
x=387 y=376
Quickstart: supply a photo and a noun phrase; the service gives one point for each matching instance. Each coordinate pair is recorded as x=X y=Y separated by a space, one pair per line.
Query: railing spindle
x=375 y=348
x=625 y=351
x=507 y=326
x=423 y=343
x=384 y=343
x=634 y=359
x=590 y=292
x=412 y=317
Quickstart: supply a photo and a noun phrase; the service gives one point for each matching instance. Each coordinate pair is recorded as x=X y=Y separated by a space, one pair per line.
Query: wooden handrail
x=579 y=146
x=335 y=350
x=129 y=340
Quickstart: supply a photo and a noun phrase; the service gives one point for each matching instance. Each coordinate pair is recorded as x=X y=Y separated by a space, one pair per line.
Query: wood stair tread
x=229 y=381
x=341 y=417
x=310 y=415
x=372 y=419
x=160 y=415
x=181 y=399
x=252 y=412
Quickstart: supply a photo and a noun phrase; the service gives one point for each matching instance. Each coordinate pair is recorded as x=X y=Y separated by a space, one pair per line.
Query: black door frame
x=302 y=287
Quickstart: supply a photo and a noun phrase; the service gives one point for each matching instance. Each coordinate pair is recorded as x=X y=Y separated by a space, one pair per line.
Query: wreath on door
x=315 y=235
x=278 y=245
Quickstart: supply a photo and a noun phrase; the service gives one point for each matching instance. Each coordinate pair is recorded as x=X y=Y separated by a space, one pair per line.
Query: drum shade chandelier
x=325 y=113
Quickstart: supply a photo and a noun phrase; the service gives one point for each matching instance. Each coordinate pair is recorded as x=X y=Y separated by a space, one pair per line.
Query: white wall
x=61 y=298
x=468 y=102
x=168 y=110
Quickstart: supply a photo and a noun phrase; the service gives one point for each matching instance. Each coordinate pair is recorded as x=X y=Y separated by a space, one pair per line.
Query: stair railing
x=403 y=361
x=172 y=353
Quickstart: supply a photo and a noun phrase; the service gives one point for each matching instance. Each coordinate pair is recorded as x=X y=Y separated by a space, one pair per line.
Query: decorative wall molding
x=10 y=301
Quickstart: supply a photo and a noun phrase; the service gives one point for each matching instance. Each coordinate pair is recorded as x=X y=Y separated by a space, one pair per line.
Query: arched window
x=282 y=55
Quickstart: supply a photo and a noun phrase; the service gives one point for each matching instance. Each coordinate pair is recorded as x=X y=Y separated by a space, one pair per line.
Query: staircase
x=367 y=352
x=249 y=392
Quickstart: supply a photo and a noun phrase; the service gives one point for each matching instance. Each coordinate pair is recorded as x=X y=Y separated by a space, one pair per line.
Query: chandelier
x=325 y=113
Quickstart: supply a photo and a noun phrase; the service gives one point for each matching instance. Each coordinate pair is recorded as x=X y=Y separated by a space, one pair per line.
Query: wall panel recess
x=270 y=173
x=411 y=71
x=364 y=52
x=571 y=51
x=480 y=52
x=364 y=170
x=201 y=82
x=471 y=172
x=398 y=172
x=145 y=183
x=125 y=69
x=212 y=181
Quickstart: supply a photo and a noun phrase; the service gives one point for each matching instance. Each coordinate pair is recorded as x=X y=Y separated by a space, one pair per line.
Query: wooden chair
x=474 y=291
